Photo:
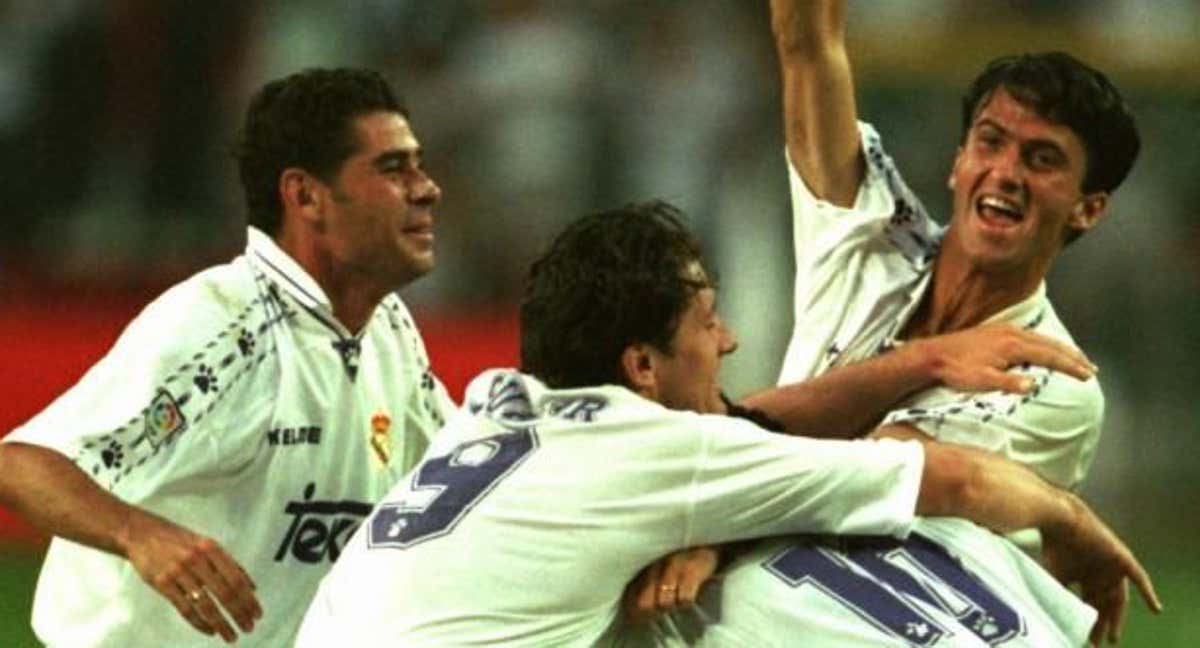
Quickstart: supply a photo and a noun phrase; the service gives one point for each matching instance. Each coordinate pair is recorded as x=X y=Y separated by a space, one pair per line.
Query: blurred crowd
x=117 y=117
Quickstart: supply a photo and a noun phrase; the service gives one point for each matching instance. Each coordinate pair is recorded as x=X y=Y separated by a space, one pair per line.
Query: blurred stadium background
x=116 y=119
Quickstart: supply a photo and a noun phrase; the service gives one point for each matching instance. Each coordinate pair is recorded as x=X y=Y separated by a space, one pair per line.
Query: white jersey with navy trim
x=237 y=406
x=949 y=584
x=860 y=274
x=535 y=507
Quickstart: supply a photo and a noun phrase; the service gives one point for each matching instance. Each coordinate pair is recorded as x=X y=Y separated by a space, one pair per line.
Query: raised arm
x=189 y=570
x=1004 y=496
x=820 y=118
x=848 y=401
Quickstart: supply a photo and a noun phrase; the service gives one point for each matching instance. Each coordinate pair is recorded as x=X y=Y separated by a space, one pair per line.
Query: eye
x=1044 y=159
x=989 y=141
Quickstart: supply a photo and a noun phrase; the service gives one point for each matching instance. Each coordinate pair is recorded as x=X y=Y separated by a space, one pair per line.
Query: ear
x=1088 y=211
x=637 y=367
x=954 y=169
x=300 y=194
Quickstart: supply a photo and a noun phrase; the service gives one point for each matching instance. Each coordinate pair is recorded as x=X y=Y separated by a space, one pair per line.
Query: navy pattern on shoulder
x=189 y=393
x=910 y=228
x=401 y=322
x=982 y=407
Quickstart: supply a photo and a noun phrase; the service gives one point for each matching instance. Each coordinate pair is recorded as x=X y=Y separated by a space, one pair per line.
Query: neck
x=964 y=295
x=353 y=295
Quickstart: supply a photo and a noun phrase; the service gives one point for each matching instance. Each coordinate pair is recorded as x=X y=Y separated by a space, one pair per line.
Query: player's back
x=950 y=583
x=581 y=501
x=534 y=508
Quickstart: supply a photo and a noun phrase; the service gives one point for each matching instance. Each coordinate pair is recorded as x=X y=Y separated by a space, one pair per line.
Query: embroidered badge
x=381 y=439
x=164 y=419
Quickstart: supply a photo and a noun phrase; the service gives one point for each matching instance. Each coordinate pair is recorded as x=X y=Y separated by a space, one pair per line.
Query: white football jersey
x=535 y=507
x=235 y=405
x=949 y=584
x=861 y=273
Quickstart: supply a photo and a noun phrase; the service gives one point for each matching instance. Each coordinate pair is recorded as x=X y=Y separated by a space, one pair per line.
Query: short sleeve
x=750 y=483
x=884 y=203
x=1054 y=429
x=148 y=402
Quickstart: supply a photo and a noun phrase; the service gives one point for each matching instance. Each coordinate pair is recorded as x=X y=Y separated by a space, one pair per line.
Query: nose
x=1007 y=169
x=729 y=341
x=424 y=191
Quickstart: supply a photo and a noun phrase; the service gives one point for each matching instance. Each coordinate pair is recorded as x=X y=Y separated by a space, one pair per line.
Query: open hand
x=978 y=359
x=1091 y=556
x=194 y=573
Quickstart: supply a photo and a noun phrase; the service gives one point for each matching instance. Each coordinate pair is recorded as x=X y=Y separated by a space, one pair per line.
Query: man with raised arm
x=251 y=415
x=553 y=487
x=1045 y=141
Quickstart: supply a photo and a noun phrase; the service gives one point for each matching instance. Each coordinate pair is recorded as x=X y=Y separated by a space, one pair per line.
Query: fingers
x=641 y=601
x=178 y=597
x=1122 y=603
x=1005 y=381
x=687 y=570
x=1050 y=353
x=1145 y=586
x=671 y=583
x=230 y=584
x=197 y=599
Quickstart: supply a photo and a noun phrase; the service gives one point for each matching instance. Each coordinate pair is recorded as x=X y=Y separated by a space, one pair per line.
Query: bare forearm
x=992 y=491
x=50 y=491
x=802 y=27
x=847 y=401
x=820 y=116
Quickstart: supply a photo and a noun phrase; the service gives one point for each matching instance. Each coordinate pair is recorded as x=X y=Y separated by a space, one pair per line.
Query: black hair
x=304 y=120
x=611 y=279
x=1066 y=91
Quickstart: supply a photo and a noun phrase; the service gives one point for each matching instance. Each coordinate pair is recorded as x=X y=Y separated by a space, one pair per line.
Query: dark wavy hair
x=1064 y=90
x=609 y=280
x=304 y=120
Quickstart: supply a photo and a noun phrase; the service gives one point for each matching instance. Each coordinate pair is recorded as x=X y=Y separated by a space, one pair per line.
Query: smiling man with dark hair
x=252 y=414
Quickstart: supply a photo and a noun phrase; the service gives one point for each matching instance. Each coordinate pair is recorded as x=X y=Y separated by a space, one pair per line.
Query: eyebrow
x=396 y=156
x=1039 y=142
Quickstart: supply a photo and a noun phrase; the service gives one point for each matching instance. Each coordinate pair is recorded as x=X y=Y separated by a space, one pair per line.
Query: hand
x=1091 y=555
x=977 y=359
x=191 y=571
x=671 y=583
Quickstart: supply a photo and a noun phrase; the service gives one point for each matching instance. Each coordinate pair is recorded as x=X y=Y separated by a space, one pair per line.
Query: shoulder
x=190 y=311
x=885 y=208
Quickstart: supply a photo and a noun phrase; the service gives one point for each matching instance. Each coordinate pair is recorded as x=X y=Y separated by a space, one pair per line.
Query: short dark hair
x=1064 y=90
x=304 y=120
x=609 y=280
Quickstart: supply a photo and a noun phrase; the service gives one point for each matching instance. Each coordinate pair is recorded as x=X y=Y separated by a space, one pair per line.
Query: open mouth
x=999 y=212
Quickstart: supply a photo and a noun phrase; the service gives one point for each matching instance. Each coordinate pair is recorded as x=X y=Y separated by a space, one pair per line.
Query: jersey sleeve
x=1054 y=429
x=849 y=258
x=884 y=202
x=143 y=415
x=750 y=483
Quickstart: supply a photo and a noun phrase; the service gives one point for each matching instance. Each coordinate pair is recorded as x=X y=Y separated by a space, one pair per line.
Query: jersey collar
x=283 y=270
x=1027 y=313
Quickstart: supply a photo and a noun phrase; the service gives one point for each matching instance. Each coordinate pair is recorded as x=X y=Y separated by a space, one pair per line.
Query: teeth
x=1001 y=205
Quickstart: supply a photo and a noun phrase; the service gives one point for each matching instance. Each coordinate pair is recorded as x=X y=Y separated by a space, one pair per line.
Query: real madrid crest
x=381 y=438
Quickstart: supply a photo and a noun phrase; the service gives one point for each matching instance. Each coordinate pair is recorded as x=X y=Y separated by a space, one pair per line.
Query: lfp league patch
x=163 y=419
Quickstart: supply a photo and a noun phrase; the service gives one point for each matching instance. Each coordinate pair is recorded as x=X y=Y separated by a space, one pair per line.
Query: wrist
x=1068 y=511
x=922 y=362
